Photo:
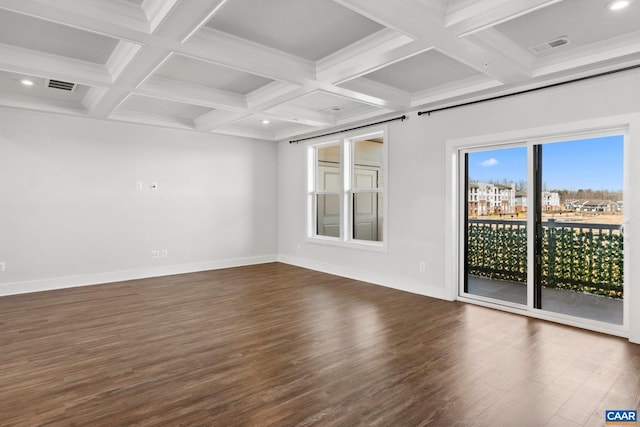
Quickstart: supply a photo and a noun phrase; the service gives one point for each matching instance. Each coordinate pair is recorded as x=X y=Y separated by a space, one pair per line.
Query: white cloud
x=489 y=162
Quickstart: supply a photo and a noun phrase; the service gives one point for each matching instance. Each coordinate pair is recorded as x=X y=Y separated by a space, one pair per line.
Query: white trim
x=578 y=322
x=419 y=288
x=353 y=244
x=558 y=132
x=123 y=275
x=345 y=141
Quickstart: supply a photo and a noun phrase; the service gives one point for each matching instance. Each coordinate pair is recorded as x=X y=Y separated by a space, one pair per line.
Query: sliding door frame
x=457 y=214
x=536 y=252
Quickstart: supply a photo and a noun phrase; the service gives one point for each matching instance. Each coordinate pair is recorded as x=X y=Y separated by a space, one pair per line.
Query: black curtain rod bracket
x=493 y=98
x=402 y=118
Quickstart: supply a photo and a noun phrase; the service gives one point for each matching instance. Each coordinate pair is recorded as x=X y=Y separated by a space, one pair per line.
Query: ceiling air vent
x=59 y=84
x=552 y=44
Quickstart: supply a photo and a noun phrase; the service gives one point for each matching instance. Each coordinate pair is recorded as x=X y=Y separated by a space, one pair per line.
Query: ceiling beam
x=144 y=63
x=156 y=11
x=469 y=17
x=151 y=56
x=460 y=88
x=152 y=119
x=174 y=90
x=418 y=21
x=273 y=94
x=39 y=104
x=342 y=73
x=240 y=54
x=302 y=115
x=373 y=51
x=618 y=47
x=492 y=40
x=117 y=22
x=218 y=118
x=186 y=20
x=25 y=61
x=141 y=53
x=381 y=91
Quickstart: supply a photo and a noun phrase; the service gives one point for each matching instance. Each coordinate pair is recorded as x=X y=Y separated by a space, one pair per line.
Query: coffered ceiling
x=278 y=69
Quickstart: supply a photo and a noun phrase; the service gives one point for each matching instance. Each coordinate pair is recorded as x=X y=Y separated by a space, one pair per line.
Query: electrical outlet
x=3 y=266
x=164 y=253
x=138 y=185
x=155 y=254
x=422 y=265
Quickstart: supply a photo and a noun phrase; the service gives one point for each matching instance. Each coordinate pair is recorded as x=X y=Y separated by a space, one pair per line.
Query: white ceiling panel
x=310 y=29
x=423 y=71
x=43 y=36
x=582 y=22
x=207 y=74
x=308 y=66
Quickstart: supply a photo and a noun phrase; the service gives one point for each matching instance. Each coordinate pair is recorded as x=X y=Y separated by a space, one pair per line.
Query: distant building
x=495 y=199
x=574 y=205
x=521 y=202
x=550 y=201
x=599 y=206
x=593 y=206
x=491 y=199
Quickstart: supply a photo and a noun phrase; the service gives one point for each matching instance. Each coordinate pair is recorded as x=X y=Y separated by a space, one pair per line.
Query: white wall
x=418 y=177
x=70 y=213
x=415 y=216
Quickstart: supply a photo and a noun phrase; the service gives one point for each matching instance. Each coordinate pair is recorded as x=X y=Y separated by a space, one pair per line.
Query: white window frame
x=346 y=141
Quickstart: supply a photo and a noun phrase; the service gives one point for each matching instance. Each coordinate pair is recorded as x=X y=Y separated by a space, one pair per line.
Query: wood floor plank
x=278 y=345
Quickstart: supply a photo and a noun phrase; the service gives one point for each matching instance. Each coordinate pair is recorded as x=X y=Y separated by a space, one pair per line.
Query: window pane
x=366 y=178
x=328 y=168
x=582 y=210
x=368 y=156
x=367 y=220
x=341 y=169
x=328 y=215
x=496 y=227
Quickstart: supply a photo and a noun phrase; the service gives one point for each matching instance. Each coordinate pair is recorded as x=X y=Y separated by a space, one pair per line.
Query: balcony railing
x=575 y=256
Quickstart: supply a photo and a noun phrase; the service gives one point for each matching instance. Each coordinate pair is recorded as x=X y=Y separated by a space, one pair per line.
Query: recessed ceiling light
x=619 y=4
x=265 y=122
x=334 y=109
x=27 y=82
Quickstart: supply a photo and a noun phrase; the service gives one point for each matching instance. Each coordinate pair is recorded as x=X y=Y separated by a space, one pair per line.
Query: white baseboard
x=14 y=288
x=369 y=277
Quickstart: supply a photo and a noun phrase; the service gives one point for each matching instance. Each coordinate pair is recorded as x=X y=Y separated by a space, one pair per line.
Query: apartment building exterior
x=503 y=199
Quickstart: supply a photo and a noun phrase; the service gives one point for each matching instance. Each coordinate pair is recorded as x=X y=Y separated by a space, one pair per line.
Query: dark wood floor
x=279 y=345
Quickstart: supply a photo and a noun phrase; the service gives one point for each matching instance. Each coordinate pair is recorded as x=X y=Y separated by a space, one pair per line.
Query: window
x=346 y=190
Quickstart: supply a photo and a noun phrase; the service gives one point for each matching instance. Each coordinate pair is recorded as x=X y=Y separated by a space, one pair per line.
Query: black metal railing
x=576 y=256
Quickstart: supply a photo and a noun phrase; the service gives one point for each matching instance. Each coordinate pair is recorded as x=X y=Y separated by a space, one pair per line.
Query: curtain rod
x=579 y=79
x=403 y=118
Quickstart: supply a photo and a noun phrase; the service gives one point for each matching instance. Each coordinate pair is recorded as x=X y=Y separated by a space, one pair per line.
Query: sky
x=594 y=163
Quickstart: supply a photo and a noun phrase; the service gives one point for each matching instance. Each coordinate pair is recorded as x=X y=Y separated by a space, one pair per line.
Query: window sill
x=352 y=244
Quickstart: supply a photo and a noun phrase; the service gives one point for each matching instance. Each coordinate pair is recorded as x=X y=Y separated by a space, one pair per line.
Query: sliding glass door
x=555 y=208
x=580 y=216
x=496 y=224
